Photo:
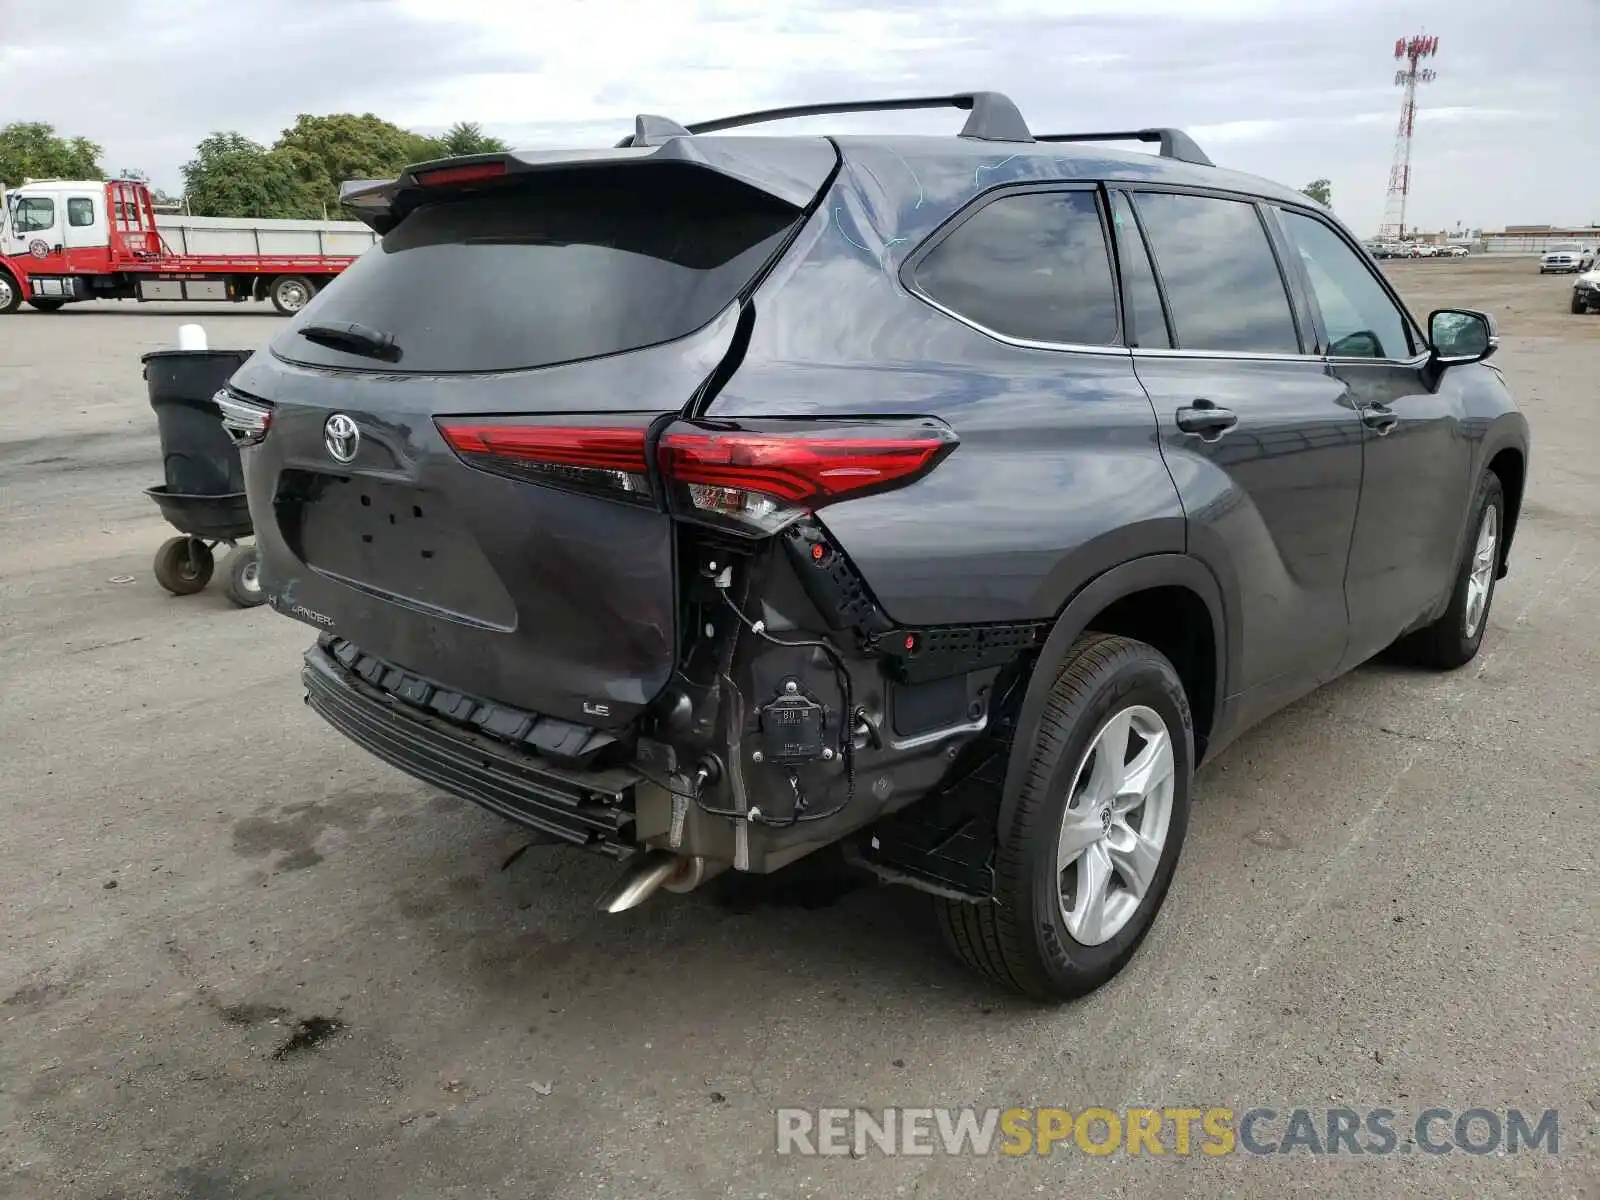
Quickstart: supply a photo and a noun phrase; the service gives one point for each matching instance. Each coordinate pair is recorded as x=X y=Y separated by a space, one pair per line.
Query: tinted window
x=1362 y=321
x=1033 y=266
x=33 y=214
x=80 y=212
x=552 y=271
x=1138 y=280
x=1222 y=281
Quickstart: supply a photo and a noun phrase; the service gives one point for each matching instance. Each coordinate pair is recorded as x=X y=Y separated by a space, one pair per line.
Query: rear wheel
x=183 y=565
x=1453 y=640
x=290 y=293
x=244 y=578
x=47 y=306
x=1085 y=866
x=10 y=294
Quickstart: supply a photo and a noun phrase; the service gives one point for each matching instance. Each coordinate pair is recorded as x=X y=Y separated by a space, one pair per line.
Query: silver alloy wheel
x=1115 y=825
x=1481 y=579
x=292 y=294
x=7 y=294
x=250 y=577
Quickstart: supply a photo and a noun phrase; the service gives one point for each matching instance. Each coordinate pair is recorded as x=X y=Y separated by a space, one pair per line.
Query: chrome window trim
x=1009 y=340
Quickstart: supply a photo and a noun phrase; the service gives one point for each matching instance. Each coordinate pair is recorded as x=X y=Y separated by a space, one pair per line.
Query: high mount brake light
x=763 y=480
x=604 y=458
x=754 y=481
x=467 y=173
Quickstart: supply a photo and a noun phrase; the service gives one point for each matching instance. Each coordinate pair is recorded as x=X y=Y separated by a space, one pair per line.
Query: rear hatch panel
x=600 y=302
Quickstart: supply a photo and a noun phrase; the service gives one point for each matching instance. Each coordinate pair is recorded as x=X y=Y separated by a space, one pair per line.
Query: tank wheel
x=290 y=293
x=184 y=565
x=244 y=578
x=10 y=294
x=47 y=305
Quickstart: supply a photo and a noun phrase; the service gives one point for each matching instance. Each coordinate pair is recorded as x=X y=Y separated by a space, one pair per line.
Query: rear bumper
x=589 y=808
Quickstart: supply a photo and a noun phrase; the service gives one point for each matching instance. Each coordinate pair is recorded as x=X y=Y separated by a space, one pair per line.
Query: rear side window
x=550 y=271
x=1033 y=266
x=1222 y=280
x=80 y=211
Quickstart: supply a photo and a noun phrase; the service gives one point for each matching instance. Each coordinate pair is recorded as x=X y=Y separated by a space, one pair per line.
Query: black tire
x=183 y=565
x=1450 y=642
x=1578 y=306
x=243 y=585
x=47 y=306
x=10 y=293
x=290 y=293
x=1020 y=940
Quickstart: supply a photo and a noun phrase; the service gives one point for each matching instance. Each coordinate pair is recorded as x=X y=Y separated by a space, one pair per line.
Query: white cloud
x=1290 y=89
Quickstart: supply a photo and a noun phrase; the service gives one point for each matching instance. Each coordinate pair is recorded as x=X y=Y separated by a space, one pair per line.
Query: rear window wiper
x=353 y=338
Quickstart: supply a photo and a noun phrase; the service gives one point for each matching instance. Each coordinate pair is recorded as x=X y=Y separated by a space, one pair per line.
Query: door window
x=1361 y=320
x=1224 y=289
x=34 y=214
x=80 y=211
x=1033 y=266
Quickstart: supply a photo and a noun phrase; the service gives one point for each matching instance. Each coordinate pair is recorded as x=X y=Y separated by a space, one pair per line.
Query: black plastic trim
x=590 y=808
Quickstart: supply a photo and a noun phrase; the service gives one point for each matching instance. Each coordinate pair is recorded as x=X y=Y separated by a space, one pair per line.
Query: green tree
x=232 y=176
x=465 y=137
x=326 y=151
x=1319 y=190
x=33 y=150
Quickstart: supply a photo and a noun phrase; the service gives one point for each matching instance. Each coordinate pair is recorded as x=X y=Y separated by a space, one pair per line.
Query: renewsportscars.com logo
x=1180 y=1132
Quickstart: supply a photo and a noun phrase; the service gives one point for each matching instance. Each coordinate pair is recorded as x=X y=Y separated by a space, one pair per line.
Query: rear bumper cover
x=589 y=808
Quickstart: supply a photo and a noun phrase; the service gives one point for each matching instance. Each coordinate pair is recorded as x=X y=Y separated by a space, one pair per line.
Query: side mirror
x=1458 y=335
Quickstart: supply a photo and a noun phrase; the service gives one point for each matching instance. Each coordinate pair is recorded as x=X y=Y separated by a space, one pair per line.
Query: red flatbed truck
x=66 y=241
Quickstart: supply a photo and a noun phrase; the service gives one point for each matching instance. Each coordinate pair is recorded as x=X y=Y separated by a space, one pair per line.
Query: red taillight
x=761 y=480
x=750 y=480
x=468 y=173
x=606 y=458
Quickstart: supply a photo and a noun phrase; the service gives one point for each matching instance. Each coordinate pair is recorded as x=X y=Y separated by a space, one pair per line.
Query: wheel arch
x=1510 y=465
x=1172 y=601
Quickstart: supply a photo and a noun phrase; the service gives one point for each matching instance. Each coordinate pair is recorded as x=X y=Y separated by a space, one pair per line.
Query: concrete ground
x=238 y=957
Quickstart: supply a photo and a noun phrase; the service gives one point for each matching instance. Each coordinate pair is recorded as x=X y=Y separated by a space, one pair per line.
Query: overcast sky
x=1509 y=132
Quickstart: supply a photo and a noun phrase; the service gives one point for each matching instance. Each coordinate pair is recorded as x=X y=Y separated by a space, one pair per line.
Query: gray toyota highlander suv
x=706 y=500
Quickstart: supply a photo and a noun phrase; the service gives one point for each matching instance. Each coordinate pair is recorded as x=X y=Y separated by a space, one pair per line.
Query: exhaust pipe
x=649 y=873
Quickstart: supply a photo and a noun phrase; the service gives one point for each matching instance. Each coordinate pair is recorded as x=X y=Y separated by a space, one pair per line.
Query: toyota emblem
x=342 y=438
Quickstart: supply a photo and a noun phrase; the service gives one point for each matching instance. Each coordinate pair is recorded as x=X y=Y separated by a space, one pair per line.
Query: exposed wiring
x=847 y=741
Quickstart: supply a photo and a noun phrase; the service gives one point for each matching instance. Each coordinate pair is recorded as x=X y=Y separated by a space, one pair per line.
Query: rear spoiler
x=792 y=170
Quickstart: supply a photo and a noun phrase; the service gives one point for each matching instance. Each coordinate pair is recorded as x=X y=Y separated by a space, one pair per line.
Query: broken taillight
x=753 y=480
x=246 y=421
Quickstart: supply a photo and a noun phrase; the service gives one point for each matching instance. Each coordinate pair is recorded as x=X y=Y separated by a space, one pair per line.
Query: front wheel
x=290 y=293
x=1578 y=306
x=1453 y=640
x=10 y=294
x=1085 y=865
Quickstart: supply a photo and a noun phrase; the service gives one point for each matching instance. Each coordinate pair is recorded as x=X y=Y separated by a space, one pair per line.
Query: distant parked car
x=1453 y=251
x=1566 y=256
x=1586 y=292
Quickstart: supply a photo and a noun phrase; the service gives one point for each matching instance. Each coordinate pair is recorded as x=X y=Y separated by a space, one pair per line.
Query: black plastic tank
x=197 y=454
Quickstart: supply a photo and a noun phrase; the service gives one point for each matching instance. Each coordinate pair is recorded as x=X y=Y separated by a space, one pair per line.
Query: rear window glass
x=1033 y=267
x=550 y=271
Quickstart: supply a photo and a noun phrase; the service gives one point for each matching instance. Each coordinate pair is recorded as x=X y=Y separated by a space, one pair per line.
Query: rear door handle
x=1206 y=419
x=1380 y=417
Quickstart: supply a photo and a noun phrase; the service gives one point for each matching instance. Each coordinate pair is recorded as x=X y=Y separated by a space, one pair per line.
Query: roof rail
x=994 y=117
x=1175 y=143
